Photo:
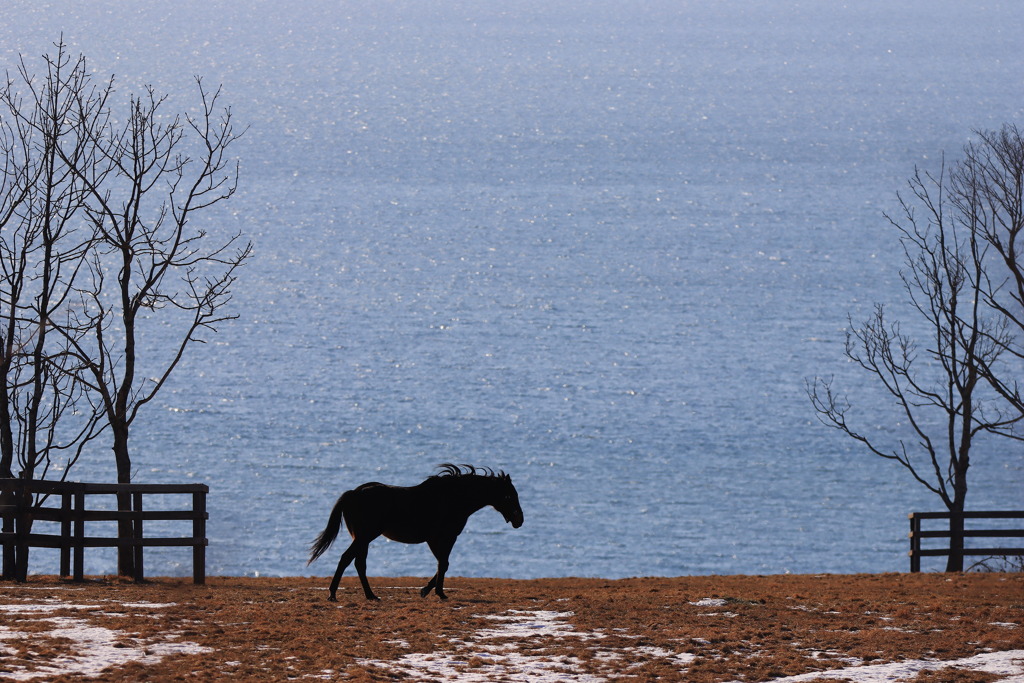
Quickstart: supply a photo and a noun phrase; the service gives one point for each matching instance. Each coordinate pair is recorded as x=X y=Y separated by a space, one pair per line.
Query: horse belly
x=406 y=524
x=406 y=535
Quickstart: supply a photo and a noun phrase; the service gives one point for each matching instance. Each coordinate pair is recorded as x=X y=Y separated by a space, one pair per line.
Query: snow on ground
x=475 y=660
x=1009 y=664
x=94 y=648
x=478 y=658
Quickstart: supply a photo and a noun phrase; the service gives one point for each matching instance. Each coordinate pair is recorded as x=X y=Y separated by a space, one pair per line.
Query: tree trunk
x=962 y=462
x=125 y=527
x=955 y=562
x=23 y=500
x=6 y=461
x=6 y=433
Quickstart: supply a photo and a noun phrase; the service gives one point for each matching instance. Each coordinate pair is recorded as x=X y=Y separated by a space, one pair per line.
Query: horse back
x=407 y=514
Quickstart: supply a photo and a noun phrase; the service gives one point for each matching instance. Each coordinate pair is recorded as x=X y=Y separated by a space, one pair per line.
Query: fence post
x=199 y=537
x=139 y=572
x=915 y=543
x=79 y=573
x=22 y=528
x=65 y=533
x=8 y=498
x=956 y=541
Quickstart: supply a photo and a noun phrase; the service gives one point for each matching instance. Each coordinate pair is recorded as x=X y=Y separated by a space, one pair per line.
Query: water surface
x=599 y=248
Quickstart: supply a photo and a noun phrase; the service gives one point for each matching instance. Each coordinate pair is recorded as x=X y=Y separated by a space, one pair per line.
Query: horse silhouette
x=433 y=512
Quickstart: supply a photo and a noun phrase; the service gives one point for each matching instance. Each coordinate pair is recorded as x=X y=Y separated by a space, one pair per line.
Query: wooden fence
x=24 y=502
x=917 y=534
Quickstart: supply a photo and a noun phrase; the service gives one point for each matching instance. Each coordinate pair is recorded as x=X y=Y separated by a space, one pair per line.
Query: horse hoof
x=373 y=598
x=442 y=596
x=331 y=598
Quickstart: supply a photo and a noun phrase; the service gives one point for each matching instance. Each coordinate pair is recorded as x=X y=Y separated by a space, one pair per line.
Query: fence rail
x=917 y=534
x=23 y=502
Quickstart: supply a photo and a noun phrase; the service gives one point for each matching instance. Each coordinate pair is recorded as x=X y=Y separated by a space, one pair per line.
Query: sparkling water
x=598 y=245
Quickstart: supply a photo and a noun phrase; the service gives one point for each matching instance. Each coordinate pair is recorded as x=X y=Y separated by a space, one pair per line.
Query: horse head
x=507 y=501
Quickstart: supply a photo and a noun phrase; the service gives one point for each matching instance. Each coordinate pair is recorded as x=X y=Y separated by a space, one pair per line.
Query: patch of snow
x=711 y=602
x=511 y=666
x=805 y=608
x=148 y=605
x=95 y=648
x=472 y=661
x=48 y=607
x=526 y=624
x=836 y=657
x=1009 y=664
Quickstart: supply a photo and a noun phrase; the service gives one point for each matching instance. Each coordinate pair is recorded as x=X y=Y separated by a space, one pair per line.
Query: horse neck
x=471 y=494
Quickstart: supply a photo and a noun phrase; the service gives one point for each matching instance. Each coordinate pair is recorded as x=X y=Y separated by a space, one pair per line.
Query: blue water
x=598 y=247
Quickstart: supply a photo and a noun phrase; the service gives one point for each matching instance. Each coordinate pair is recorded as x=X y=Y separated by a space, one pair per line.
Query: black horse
x=434 y=512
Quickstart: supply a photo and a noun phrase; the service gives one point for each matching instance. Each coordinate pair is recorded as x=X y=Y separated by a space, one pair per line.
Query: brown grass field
x=925 y=627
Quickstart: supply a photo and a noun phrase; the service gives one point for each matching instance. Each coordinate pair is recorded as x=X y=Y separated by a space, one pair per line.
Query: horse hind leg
x=361 y=568
x=357 y=551
x=346 y=558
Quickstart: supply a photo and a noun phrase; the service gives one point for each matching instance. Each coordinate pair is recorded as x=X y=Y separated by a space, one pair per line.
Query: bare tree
x=987 y=191
x=45 y=412
x=939 y=388
x=99 y=247
x=153 y=174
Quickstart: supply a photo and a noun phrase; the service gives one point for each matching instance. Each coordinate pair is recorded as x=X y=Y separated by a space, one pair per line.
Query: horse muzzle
x=515 y=519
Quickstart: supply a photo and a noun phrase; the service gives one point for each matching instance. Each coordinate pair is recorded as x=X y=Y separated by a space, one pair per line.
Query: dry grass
x=754 y=628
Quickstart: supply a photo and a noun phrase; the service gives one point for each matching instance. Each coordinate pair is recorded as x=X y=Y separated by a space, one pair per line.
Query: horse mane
x=450 y=470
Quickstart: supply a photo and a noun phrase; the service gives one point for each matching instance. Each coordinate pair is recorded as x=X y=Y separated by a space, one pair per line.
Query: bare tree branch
x=954 y=228
x=98 y=242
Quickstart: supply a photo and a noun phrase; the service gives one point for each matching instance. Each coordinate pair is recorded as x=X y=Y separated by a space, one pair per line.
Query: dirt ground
x=700 y=629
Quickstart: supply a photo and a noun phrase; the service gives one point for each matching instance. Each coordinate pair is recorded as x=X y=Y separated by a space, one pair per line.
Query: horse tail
x=330 y=532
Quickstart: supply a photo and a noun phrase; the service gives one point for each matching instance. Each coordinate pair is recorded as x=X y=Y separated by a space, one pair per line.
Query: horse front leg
x=441 y=548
